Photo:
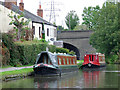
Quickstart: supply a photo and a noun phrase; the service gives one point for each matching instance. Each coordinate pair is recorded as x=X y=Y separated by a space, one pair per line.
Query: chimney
x=21 y=5
x=40 y=11
x=8 y=3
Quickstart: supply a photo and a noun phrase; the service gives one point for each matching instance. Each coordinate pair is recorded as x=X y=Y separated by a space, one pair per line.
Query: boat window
x=103 y=58
x=96 y=57
x=70 y=61
x=67 y=61
x=89 y=58
x=44 y=59
x=64 y=60
x=73 y=61
x=59 y=61
x=92 y=58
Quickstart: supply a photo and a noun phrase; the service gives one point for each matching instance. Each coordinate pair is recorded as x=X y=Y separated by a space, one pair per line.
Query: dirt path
x=13 y=68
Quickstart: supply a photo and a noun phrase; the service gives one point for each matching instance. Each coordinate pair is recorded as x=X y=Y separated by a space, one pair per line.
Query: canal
x=97 y=78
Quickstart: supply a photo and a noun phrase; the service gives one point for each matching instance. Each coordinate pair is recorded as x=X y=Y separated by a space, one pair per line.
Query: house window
x=39 y=32
x=55 y=33
x=33 y=30
x=47 y=31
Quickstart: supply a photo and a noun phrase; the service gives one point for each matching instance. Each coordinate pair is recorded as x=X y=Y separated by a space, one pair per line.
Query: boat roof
x=95 y=54
x=56 y=54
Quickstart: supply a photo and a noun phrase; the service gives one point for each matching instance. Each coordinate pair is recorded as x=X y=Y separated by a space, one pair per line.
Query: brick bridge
x=78 y=41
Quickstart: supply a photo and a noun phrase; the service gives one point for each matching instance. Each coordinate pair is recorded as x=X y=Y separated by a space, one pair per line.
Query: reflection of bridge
x=78 y=41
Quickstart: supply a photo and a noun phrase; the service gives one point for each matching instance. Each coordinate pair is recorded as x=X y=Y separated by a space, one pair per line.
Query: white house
x=38 y=24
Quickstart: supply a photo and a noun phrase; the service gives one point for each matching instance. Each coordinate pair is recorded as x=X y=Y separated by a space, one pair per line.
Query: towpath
x=14 y=68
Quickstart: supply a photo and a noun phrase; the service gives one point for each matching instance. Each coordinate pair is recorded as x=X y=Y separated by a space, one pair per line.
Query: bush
x=112 y=59
x=62 y=50
x=72 y=53
x=7 y=41
x=5 y=56
x=29 y=53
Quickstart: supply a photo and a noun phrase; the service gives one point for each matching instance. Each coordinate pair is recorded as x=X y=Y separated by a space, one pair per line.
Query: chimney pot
x=21 y=5
x=8 y=3
x=40 y=11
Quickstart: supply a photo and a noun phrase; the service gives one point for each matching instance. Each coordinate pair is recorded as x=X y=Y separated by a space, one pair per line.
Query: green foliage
x=80 y=63
x=72 y=53
x=81 y=27
x=90 y=16
x=42 y=40
x=20 y=24
x=106 y=36
x=52 y=48
x=60 y=28
x=71 y=20
x=62 y=50
x=5 y=56
x=16 y=72
x=112 y=59
x=29 y=52
x=25 y=53
x=7 y=40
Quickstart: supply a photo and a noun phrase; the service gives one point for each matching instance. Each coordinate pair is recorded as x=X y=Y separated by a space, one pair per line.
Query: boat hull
x=89 y=65
x=43 y=70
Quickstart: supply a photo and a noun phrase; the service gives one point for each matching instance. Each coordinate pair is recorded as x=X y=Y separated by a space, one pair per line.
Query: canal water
x=108 y=77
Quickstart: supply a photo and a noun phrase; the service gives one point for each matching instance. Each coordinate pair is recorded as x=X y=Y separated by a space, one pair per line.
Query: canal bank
x=13 y=73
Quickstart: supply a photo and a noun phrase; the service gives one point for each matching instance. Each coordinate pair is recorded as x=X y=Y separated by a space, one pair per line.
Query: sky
x=65 y=6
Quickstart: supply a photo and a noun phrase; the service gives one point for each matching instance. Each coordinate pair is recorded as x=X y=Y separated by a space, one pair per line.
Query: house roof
x=29 y=15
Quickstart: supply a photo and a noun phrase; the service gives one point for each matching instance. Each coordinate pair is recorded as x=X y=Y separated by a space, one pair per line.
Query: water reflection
x=92 y=78
x=66 y=81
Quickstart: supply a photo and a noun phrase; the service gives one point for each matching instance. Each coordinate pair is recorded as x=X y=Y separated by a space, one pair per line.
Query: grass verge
x=79 y=63
x=16 y=66
x=14 y=72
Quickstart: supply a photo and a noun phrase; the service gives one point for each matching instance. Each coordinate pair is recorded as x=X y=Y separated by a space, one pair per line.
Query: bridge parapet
x=81 y=34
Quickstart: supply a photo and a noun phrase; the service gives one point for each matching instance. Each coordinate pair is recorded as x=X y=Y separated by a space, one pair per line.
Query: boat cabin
x=91 y=58
x=95 y=59
x=56 y=59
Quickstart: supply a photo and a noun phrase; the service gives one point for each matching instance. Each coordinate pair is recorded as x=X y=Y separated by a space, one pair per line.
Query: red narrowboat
x=48 y=63
x=93 y=61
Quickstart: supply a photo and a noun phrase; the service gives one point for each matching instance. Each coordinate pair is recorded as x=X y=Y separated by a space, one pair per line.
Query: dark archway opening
x=72 y=48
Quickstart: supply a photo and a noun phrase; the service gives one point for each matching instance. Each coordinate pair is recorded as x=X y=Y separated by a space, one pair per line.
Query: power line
x=52 y=10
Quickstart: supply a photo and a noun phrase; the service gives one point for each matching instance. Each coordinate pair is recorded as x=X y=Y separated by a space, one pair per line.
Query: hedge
x=25 y=53
x=28 y=53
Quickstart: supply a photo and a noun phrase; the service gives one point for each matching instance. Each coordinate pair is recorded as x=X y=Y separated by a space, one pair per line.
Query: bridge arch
x=72 y=48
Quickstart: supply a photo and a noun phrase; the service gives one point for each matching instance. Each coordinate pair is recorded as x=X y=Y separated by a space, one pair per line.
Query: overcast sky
x=64 y=5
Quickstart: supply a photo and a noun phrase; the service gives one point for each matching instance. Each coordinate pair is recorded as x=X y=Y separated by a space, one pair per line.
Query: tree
x=71 y=20
x=106 y=36
x=60 y=28
x=90 y=16
x=20 y=24
x=81 y=27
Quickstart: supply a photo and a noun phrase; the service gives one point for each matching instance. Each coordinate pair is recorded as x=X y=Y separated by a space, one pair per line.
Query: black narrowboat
x=48 y=63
